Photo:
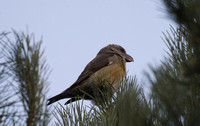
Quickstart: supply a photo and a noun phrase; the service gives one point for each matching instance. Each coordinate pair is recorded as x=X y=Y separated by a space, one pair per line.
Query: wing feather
x=96 y=64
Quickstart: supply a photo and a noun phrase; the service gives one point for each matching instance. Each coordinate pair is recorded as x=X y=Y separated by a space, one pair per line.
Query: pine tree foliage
x=177 y=94
x=24 y=61
x=5 y=103
x=186 y=13
x=176 y=87
x=6 y=112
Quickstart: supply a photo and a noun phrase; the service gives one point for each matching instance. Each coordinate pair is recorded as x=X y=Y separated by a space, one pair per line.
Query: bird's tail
x=55 y=98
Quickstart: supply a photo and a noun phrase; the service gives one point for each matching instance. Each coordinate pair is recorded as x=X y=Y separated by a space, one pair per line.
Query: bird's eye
x=122 y=50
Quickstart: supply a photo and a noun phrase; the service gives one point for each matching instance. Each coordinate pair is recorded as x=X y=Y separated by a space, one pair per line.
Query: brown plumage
x=109 y=65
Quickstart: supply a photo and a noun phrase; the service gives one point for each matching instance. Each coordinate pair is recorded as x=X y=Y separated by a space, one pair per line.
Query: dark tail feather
x=55 y=98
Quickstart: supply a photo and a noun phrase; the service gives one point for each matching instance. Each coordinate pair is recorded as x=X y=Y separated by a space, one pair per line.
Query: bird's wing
x=96 y=64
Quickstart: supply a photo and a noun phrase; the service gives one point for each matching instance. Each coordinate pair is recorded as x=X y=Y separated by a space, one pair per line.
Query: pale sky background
x=74 y=31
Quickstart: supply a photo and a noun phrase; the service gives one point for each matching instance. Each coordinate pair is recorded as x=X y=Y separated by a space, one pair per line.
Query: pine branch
x=24 y=61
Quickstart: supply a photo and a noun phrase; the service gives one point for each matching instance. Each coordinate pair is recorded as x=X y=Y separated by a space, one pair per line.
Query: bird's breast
x=113 y=74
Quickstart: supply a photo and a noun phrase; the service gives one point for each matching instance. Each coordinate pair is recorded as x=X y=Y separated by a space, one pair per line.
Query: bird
x=109 y=65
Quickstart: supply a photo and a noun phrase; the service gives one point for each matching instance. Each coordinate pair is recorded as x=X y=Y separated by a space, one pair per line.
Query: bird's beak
x=128 y=58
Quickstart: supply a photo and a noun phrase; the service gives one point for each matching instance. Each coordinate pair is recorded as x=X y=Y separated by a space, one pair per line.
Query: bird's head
x=118 y=50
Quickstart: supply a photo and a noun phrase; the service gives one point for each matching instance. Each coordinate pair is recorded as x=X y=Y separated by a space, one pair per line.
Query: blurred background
x=73 y=31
